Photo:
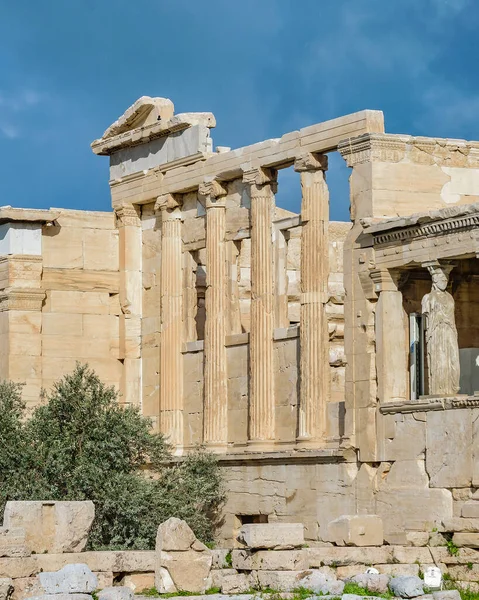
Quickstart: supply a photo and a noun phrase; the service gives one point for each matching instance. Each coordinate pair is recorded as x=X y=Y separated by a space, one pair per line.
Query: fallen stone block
x=6 y=588
x=185 y=559
x=138 y=582
x=356 y=530
x=286 y=581
x=61 y=597
x=470 y=509
x=372 y=582
x=278 y=536
x=13 y=542
x=459 y=524
x=72 y=579
x=398 y=570
x=220 y=558
x=24 y=587
x=464 y=572
x=18 y=567
x=344 y=556
x=469 y=540
x=236 y=584
x=406 y=586
x=447 y=595
x=411 y=555
x=188 y=570
x=55 y=527
x=116 y=593
x=105 y=579
x=321 y=583
x=264 y=560
x=163 y=581
x=216 y=577
x=283 y=581
x=174 y=535
x=356 y=597
x=463 y=557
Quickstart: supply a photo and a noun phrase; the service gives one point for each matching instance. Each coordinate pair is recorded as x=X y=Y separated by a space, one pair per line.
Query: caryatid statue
x=441 y=334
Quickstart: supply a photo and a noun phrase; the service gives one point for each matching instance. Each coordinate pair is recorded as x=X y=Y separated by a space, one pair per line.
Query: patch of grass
x=229 y=559
x=150 y=592
x=452 y=548
x=470 y=566
x=301 y=593
x=354 y=588
x=212 y=590
x=210 y=545
x=467 y=594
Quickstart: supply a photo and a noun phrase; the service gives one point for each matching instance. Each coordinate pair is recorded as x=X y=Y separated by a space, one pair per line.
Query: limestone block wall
x=59 y=298
x=80 y=315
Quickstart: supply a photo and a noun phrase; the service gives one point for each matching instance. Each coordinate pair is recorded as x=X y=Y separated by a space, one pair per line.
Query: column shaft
x=262 y=397
x=171 y=359
x=215 y=423
x=314 y=341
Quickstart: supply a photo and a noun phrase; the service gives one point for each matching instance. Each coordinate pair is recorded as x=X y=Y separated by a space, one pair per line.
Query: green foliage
x=83 y=445
x=452 y=548
x=229 y=559
x=354 y=588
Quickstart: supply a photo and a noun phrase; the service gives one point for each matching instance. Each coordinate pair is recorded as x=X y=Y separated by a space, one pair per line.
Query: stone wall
x=59 y=297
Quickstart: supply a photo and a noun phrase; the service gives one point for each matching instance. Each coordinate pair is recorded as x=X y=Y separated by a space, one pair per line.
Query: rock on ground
x=406 y=586
x=116 y=593
x=372 y=582
x=72 y=579
x=6 y=588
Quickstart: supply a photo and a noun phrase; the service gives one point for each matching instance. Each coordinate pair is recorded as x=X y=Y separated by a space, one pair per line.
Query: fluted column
x=215 y=424
x=130 y=242
x=314 y=340
x=171 y=360
x=262 y=184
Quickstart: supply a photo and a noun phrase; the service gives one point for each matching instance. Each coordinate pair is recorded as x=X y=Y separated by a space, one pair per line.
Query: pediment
x=145 y=111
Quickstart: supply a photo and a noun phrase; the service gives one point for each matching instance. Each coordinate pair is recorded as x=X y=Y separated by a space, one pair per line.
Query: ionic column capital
x=167 y=202
x=127 y=215
x=213 y=192
x=311 y=162
x=386 y=280
x=169 y=205
x=259 y=177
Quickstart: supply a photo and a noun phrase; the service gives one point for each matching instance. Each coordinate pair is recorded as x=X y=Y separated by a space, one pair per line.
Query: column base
x=217 y=447
x=260 y=446
x=304 y=441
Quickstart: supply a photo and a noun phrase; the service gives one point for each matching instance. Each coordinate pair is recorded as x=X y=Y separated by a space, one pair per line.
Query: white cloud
x=9 y=131
x=15 y=106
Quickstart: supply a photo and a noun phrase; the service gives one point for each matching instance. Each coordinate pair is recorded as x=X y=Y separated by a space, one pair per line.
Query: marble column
x=130 y=242
x=392 y=347
x=215 y=423
x=171 y=359
x=314 y=339
x=262 y=185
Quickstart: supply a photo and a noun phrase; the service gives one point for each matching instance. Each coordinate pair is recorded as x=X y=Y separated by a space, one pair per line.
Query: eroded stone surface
x=51 y=526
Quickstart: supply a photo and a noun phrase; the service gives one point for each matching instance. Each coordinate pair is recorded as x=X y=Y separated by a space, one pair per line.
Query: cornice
x=432 y=229
x=21 y=299
x=429 y=403
x=379 y=147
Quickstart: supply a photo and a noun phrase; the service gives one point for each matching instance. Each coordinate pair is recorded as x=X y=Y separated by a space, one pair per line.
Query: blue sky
x=69 y=68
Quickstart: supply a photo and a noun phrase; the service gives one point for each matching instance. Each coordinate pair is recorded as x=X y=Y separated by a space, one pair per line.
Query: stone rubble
x=183 y=563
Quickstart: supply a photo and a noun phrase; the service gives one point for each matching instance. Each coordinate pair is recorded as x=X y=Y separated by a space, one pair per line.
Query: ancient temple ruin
x=332 y=366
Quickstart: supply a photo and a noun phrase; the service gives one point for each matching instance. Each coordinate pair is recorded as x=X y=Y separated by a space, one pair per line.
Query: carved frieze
x=372 y=147
x=21 y=299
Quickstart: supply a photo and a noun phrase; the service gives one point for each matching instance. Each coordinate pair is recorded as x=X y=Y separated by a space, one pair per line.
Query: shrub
x=83 y=445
